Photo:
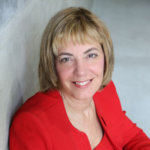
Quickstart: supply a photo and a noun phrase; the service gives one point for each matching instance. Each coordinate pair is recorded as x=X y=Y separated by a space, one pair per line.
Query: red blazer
x=42 y=124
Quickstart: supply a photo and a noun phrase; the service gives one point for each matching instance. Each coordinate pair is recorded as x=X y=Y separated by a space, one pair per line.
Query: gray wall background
x=21 y=25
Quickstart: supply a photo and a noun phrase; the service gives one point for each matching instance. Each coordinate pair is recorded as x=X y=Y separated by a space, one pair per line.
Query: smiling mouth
x=82 y=83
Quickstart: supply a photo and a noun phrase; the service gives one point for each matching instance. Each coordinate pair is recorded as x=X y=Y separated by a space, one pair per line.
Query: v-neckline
x=74 y=129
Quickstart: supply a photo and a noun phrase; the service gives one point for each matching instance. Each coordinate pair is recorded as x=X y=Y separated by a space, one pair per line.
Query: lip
x=82 y=84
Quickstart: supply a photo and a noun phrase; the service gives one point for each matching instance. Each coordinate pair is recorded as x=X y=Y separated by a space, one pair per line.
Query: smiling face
x=80 y=70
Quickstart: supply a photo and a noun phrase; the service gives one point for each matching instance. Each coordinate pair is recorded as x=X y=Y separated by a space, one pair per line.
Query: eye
x=92 y=55
x=65 y=59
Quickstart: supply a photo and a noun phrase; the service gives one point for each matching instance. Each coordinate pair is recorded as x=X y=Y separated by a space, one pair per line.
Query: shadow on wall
x=17 y=82
x=9 y=104
x=18 y=58
x=16 y=99
x=8 y=8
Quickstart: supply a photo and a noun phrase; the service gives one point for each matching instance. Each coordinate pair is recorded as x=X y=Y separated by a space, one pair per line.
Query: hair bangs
x=77 y=34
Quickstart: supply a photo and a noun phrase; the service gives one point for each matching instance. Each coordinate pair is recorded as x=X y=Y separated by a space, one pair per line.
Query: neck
x=77 y=106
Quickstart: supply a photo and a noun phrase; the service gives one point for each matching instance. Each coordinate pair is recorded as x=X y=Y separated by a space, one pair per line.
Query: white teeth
x=82 y=83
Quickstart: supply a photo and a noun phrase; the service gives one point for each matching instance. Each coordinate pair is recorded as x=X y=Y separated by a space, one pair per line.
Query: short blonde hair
x=77 y=25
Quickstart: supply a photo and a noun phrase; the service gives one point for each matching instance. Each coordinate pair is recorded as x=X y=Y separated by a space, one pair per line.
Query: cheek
x=98 y=67
x=63 y=72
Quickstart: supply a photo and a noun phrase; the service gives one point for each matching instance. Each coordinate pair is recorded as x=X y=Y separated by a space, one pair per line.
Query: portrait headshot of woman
x=77 y=107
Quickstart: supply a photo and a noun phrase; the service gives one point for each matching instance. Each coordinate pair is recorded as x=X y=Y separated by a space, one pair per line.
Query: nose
x=80 y=68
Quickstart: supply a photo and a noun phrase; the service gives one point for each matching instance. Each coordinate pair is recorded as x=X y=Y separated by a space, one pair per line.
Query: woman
x=77 y=107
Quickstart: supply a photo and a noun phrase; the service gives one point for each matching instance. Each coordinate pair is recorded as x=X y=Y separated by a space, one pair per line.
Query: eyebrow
x=87 y=51
x=64 y=53
x=91 y=49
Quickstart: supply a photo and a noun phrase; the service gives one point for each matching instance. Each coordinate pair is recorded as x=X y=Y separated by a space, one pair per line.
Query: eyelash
x=92 y=55
x=65 y=59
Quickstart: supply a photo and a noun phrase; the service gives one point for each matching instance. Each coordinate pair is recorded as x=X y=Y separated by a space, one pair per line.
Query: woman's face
x=80 y=69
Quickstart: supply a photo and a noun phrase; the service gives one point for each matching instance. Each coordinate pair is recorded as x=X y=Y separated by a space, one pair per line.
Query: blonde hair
x=77 y=25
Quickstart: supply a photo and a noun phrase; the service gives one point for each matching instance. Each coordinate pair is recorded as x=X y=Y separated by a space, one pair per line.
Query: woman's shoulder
x=39 y=103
